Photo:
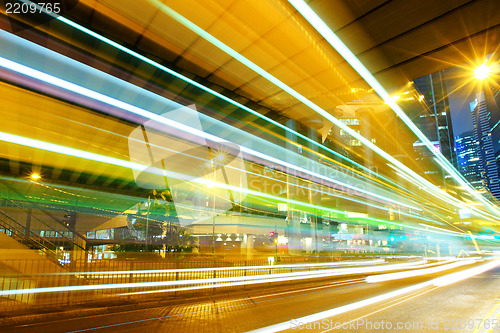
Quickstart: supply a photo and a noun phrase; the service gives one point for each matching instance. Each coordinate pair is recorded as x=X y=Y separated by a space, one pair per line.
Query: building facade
x=482 y=120
x=436 y=122
x=469 y=163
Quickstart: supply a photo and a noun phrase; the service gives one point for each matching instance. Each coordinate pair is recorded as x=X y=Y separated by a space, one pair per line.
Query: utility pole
x=276 y=244
x=147 y=225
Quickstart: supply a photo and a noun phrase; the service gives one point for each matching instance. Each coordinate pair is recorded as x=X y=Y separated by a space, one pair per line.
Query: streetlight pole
x=147 y=225
x=213 y=226
x=276 y=244
x=213 y=214
x=212 y=166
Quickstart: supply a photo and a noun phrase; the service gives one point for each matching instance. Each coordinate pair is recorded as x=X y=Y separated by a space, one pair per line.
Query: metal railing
x=30 y=239
x=60 y=234
x=105 y=281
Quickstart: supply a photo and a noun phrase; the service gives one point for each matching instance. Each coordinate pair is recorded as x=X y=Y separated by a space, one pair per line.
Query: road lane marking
x=250 y=298
x=438 y=282
x=390 y=306
x=487 y=317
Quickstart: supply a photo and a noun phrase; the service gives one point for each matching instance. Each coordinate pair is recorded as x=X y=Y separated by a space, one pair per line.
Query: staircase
x=28 y=238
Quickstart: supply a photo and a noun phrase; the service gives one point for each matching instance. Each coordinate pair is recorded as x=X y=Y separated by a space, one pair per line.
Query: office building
x=482 y=119
x=469 y=163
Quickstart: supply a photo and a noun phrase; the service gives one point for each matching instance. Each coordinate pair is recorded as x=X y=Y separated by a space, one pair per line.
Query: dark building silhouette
x=434 y=120
x=436 y=123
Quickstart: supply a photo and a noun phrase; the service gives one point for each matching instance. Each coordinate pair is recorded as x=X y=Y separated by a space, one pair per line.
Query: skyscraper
x=434 y=121
x=482 y=122
x=436 y=124
x=469 y=163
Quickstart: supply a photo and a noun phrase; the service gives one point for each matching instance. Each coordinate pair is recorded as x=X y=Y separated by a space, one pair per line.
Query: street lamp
x=147 y=225
x=210 y=184
x=35 y=176
x=483 y=71
x=214 y=158
x=213 y=220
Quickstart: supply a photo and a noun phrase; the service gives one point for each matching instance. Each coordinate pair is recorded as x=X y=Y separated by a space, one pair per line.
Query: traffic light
x=70 y=220
x=273 y=237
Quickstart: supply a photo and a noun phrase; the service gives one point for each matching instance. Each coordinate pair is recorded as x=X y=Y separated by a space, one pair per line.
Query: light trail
x=114 y=161
x=69 y=86
x=118 y=162
x=139 y=56
x=198 y=85
x=444 y=231
x=354 y=62
x=459 y=276
x=314 y=189
x=124 y=49
x=438 y=282
x=190 y=81
x=404 y=299
x=215 y=269
x=227 y=281
x=346 y=53
x=6 y=137
x=334 y=284
x=418 y=272
x=179 y=18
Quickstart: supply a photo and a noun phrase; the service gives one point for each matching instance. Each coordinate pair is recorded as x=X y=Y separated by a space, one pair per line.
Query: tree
x=177 y=239
x=161 y=225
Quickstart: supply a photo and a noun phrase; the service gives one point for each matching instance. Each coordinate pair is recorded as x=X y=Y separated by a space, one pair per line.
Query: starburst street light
x=482 y=72
x=35 y=176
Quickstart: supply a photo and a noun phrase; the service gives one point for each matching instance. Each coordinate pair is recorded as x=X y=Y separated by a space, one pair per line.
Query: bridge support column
x=293 y=223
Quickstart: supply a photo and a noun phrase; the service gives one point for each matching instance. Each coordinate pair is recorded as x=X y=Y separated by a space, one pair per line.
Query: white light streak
x=417 y=272
x=64 y=84
x=346 y=53
x=266 y=278
x=442 y=281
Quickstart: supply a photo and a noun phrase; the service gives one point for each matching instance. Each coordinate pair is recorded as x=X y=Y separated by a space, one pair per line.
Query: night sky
x=459 y=98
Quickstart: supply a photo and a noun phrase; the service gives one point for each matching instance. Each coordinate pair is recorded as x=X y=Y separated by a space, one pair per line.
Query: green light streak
x=114 y=161
x=198 y=85
x=346 y=53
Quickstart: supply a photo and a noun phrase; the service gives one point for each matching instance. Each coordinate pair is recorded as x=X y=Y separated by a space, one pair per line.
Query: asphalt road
x=471 y=305
x=430 y=309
